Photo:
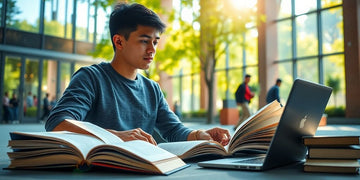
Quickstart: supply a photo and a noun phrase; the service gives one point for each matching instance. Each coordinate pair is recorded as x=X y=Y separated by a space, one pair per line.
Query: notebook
x=302 y=113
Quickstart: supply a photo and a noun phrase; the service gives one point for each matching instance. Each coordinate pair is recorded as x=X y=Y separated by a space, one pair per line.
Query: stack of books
x=333 y=154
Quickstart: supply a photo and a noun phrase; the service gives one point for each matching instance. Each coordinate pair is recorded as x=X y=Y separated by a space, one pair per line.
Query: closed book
x=332 y=165
x=349 y=152
x=331 y=140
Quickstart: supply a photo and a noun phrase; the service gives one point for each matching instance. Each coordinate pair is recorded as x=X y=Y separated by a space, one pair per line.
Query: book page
x=80 y=143
x=97 y=131
x=188 y=149
x=259 y=127
x=135 y=154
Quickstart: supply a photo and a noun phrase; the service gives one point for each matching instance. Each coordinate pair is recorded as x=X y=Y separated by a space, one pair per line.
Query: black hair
x=126 y=17
x=278 y=80
x=247 y=75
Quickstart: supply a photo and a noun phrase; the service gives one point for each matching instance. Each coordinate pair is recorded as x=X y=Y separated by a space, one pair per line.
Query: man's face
x=140 y=48
x=247 y=79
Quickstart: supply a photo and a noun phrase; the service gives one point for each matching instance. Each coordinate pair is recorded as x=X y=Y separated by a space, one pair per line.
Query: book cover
x=331 y=140
x=350 y=166
x=346 y=152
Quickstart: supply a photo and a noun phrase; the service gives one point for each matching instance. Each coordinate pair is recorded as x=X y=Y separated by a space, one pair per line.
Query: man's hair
x=247 y=75
x=278 y=80
x=126 y=17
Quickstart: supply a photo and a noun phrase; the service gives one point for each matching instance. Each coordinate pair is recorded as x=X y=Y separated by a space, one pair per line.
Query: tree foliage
x=220 y=22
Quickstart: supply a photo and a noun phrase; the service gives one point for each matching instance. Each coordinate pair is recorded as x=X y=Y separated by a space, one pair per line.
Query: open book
x=63 y=149
x=252 y=136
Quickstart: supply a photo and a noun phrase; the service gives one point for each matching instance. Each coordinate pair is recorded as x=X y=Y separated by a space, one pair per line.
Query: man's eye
x=155 y=43
x=144 y=41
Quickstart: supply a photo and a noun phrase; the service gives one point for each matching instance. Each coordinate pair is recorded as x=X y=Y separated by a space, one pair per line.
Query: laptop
x=302 y=113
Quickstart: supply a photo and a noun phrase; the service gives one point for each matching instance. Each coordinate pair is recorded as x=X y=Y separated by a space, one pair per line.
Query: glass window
x=186 y=93
x=23 y=15
x=83 y=19
x=251 y=44
x=334 y=76
x=58 y=16
x=284 y=39
x=236 y=54
x=332 y=28
x=65 y=76
x=102 y=28
x=31 y=85
x=285 y=9
x=329 y=3
x=1 y=7
x=304 y=6
x=306 y=35
x=308 y=69
x=285 y=72
x=49 y=79
x=12 y=84
x=12 y=74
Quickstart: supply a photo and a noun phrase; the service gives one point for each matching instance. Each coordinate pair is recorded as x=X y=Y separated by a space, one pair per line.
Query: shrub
x=335 y=111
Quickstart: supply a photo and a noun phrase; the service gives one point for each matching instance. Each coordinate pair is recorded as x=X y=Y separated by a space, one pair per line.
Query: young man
x=243 y=95
x=116 y=97
x=273 y=93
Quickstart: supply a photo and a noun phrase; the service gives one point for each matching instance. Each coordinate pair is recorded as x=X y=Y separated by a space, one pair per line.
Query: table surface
x=293 y=171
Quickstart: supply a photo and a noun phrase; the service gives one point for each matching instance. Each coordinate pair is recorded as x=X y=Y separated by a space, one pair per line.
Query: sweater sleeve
x=168 y=123
x=75 y=102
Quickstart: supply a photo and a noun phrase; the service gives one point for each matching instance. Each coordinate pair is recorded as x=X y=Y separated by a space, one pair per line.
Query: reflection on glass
x=304 y=6
x=333 y=35
x=11 y=86
x=251 y=47
x=284 y=39
x=31 y=80
x=49 y=79
x=285 y=9
x=12 y=74
x=65 y=76
x=102 y=25
x=334 y=71
x=58 y=18
x=23 y=15
x=308 y=69
x=285 y=72
x=329 y=3
x=306 y=35
x=83 y=20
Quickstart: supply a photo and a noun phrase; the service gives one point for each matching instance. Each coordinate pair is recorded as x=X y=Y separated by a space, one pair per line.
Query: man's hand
x=217 y=134
x=220 y=135
x=134 y=134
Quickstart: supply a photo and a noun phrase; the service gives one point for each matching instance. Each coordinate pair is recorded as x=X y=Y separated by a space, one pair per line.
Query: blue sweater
x=273 y=94
x=98 y=94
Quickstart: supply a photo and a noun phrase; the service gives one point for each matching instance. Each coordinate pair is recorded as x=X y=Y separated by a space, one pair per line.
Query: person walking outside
x=46 y=107
x=273 y=93
x=243 y=95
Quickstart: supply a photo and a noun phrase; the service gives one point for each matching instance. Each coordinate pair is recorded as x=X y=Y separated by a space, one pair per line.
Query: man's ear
x=118 y=41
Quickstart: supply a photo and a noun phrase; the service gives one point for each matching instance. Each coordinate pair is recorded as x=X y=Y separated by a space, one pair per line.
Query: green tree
x=11 y=12
x=220 y=22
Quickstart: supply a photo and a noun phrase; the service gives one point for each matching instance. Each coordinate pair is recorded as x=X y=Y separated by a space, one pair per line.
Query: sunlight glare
x=243 y=4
